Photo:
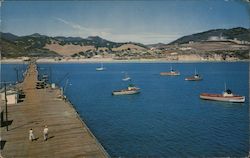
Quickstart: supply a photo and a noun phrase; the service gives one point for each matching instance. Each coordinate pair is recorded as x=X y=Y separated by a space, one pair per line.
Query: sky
x=143 y=21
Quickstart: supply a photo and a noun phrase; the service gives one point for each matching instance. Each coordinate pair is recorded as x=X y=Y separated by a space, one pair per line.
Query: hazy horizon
x=146 y=22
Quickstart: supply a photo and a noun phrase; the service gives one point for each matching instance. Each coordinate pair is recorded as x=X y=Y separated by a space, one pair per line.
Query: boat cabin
x=227 y=93
x=196 y=76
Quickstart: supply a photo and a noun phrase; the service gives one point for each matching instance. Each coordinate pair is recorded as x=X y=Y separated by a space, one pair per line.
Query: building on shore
x=12 y=96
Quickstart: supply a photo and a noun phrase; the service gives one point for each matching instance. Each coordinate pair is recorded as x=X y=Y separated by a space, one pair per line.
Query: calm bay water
x=12 y=72
x=167 y=119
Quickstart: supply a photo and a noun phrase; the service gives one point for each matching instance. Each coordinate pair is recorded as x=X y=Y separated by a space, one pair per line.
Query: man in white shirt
x=45 y=133
x=31 y=135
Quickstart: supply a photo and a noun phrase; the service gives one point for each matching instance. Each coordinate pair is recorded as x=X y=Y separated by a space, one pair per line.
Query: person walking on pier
x=45 y=133
x=31 y=135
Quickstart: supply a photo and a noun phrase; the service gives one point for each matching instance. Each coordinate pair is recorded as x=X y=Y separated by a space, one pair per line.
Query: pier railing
x=82 y=121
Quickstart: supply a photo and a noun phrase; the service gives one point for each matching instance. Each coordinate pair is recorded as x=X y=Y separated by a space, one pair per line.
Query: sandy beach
x=11 y=61
x=110 y=60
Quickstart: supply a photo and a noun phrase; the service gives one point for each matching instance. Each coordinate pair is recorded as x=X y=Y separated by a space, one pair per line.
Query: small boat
x=171 y=73
x=130 y=90
x=126 y=77
x=226 y=96
x=100 y=68
x=196 y=77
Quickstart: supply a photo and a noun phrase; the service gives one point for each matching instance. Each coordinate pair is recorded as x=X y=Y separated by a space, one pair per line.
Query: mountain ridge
x=48 y=46
x=31 y=44
x=240 y=33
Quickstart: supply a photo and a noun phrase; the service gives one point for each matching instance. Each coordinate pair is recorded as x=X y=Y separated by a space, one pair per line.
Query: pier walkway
x=69 y=137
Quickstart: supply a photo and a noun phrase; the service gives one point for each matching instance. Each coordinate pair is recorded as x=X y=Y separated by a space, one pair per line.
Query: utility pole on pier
x=6 y=107
x=50 y=74
x=17 y=76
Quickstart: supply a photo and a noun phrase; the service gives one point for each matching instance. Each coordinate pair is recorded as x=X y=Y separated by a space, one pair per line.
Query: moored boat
x=172 y=72
x=196 y=77
x=126 y=77
x=226 y=96
x=130 y=90
x=100 y=68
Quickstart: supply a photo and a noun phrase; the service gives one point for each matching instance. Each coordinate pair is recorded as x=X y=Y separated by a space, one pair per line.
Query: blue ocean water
x=12 y=73
x=167 y=119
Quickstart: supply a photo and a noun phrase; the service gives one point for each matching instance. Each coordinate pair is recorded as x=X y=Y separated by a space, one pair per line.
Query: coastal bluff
x=69 y=136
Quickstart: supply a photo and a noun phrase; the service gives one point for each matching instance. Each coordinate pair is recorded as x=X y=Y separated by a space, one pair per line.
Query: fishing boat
x=100 y=68
x=171 y=73
x=130 y=90
x=196 y=77
x=226 y=96
x=126 y=77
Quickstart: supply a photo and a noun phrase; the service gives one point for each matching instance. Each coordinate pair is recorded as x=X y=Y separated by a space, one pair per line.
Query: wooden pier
x=69 y=136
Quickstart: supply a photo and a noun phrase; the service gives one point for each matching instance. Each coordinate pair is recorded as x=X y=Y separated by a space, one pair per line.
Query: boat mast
x=225 y=85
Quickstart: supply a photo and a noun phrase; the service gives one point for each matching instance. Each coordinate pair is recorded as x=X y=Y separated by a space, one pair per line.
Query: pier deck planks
x=68 y=135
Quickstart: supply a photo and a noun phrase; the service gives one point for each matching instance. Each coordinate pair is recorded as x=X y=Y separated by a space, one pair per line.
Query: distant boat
x=126 y=77
x=100 y=68
x=196 y=77
x=171 y=73
x=226 y=96
x=130 y=90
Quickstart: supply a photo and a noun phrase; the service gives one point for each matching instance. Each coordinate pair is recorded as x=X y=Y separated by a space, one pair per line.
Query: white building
x=217 y=38
x=213 y=38
x=185 y=48
x=11 y=95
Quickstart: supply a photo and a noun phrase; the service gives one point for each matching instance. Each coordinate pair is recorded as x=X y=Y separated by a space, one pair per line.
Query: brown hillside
x=68 y=49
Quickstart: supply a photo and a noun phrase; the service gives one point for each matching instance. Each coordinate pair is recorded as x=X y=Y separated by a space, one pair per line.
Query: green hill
x=239 y=33
x=33 y=45
x=14 y=46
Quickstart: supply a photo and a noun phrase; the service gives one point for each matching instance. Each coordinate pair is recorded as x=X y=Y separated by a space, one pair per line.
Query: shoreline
x=110 y=60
